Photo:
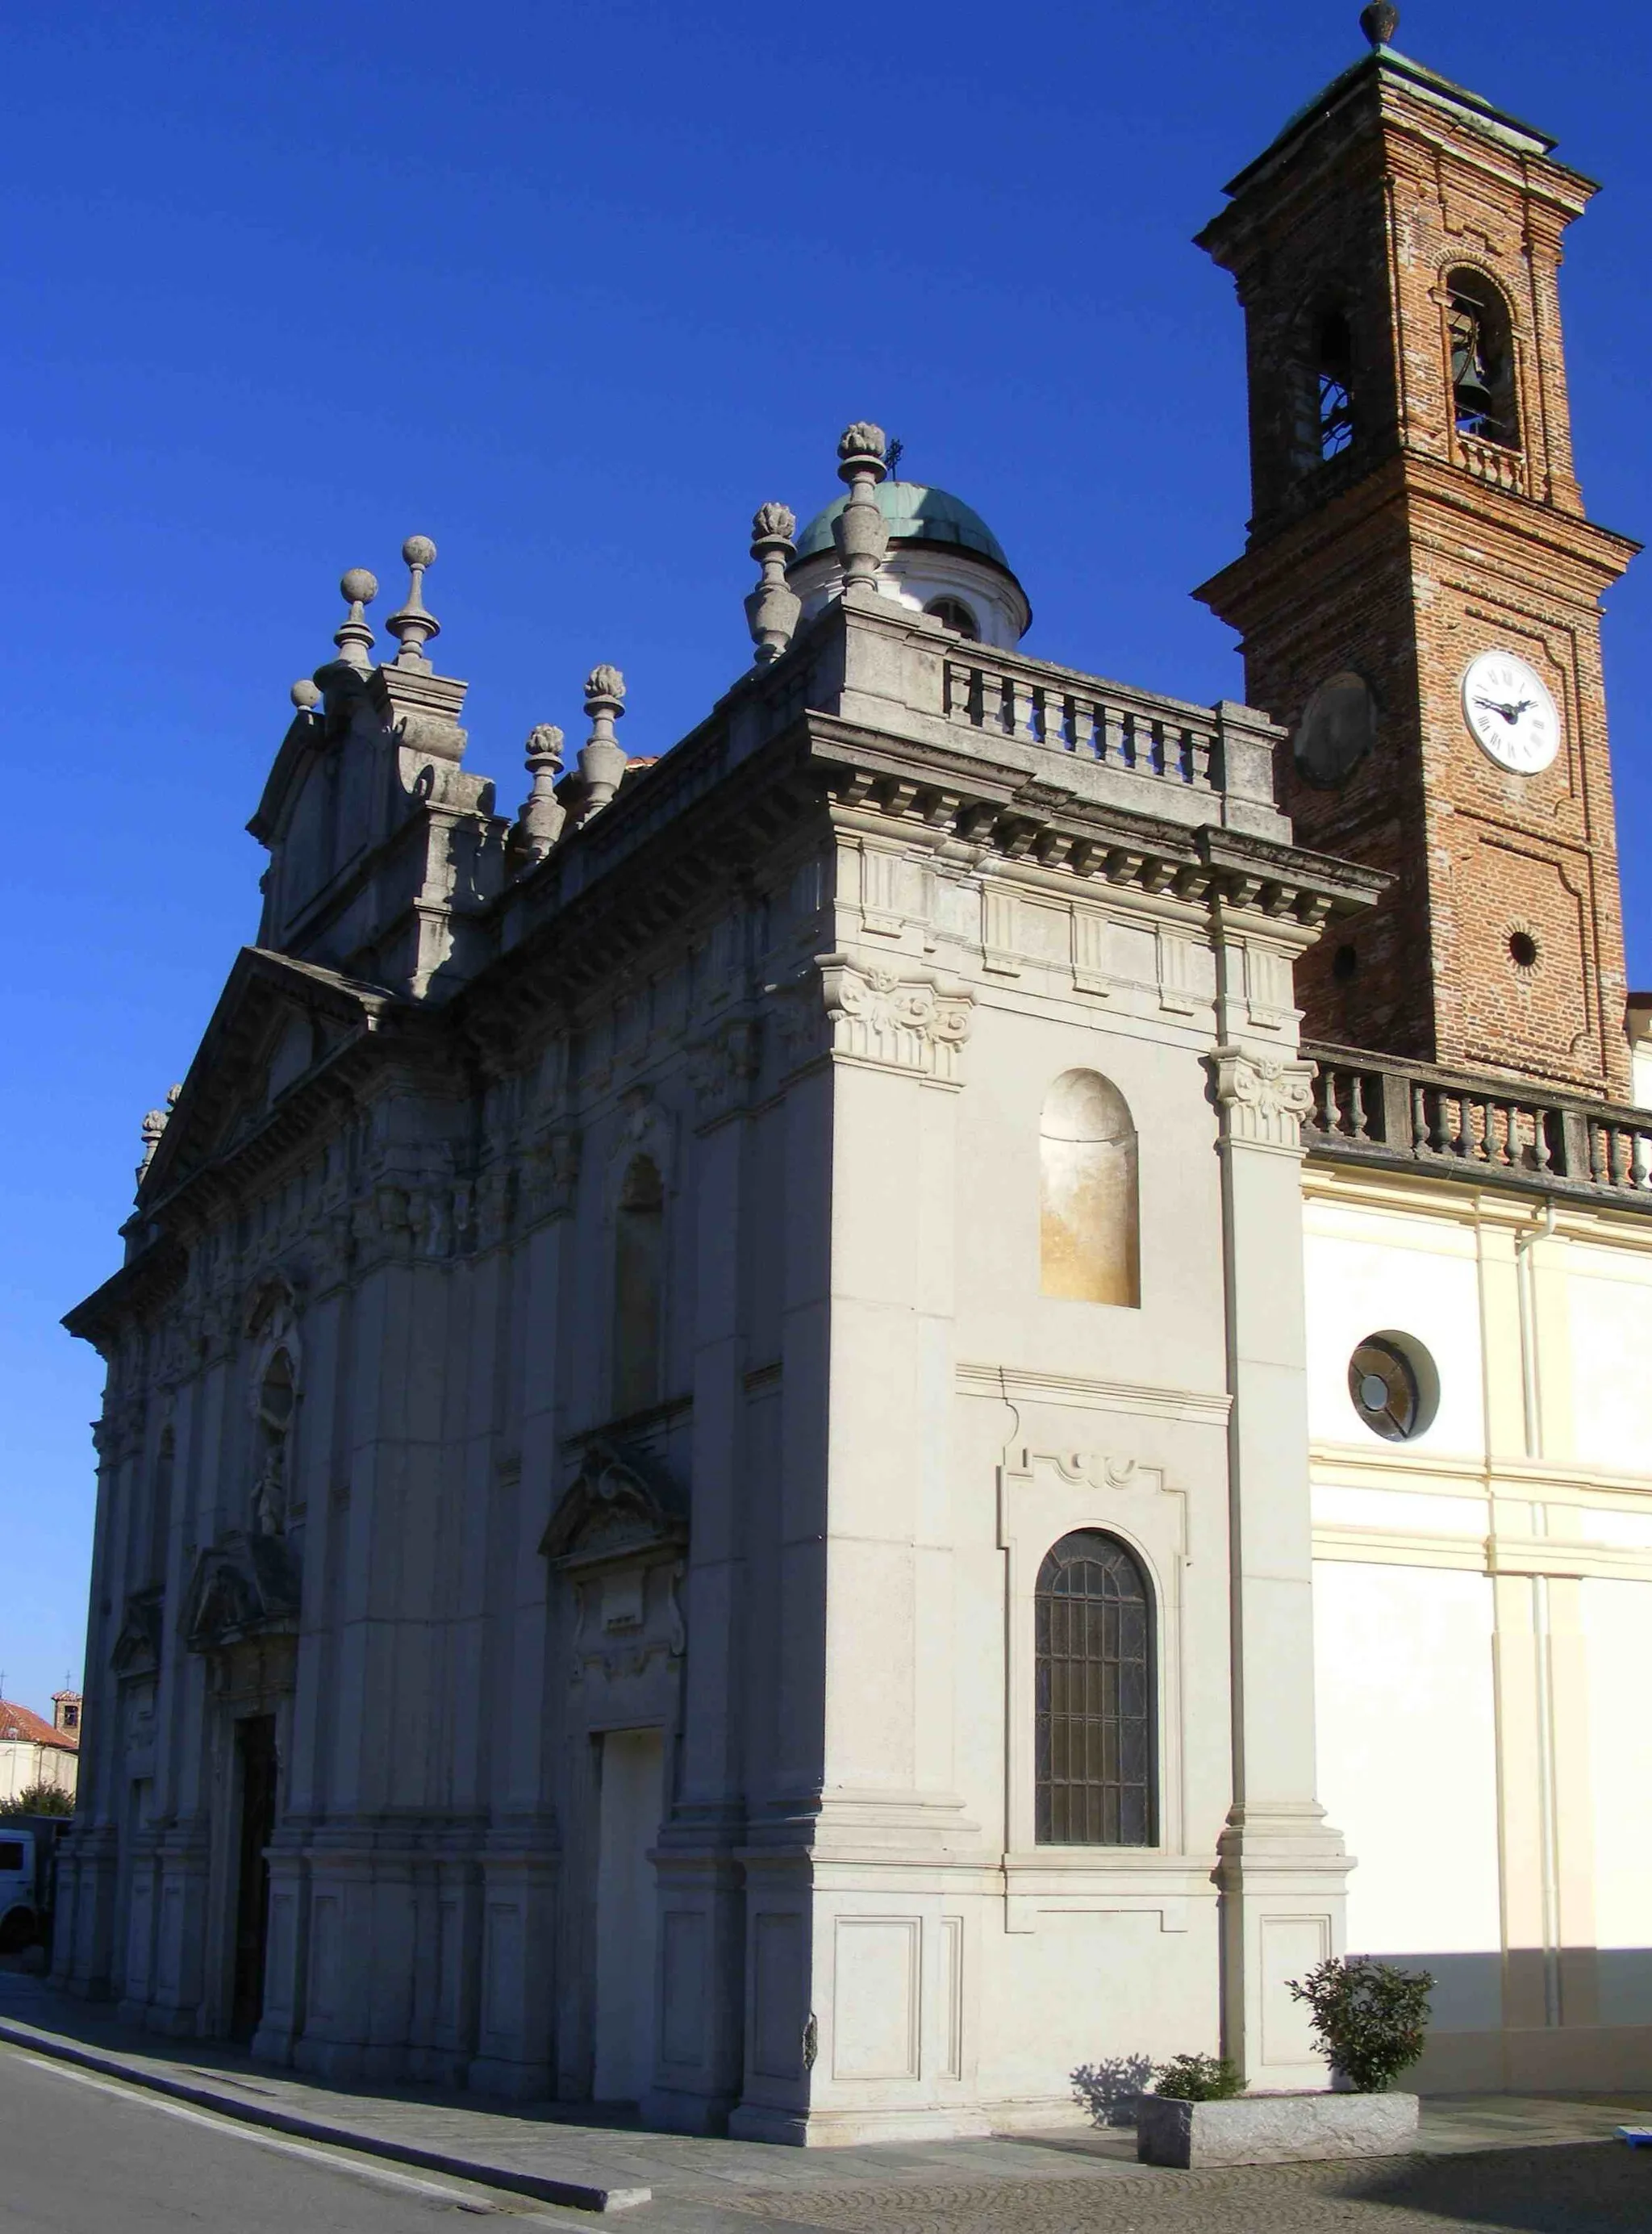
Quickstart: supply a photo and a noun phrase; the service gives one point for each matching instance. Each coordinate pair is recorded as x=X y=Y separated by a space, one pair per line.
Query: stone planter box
x=1273 y=2129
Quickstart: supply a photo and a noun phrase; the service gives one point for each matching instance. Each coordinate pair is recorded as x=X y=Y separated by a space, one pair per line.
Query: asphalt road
x=82 y=2155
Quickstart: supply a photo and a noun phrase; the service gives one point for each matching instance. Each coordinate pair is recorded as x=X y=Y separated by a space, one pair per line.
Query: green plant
x=1199 y=2079
x=38 y=1799
x=1371 y=2018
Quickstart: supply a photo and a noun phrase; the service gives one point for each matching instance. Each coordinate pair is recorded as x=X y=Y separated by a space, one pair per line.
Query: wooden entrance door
x=255 y=1745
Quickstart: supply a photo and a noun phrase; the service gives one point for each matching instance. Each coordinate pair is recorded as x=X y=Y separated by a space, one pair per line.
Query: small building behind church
x=37 y=1754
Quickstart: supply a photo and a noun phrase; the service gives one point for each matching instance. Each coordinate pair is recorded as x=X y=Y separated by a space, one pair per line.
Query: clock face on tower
x=1507 y=706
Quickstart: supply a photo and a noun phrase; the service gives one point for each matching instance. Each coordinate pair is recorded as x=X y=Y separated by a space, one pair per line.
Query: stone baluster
x=539 y=823
x=602 y=757
x=413 y=627
x=771 y=607
x=860 y=531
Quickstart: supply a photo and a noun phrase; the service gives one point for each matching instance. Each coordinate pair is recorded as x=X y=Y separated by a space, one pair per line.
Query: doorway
x=629 y=1769
x=255 y=1746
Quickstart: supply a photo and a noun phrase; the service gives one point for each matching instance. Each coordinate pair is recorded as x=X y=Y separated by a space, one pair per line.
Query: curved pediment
x=243 y=1586
x=619 y=1504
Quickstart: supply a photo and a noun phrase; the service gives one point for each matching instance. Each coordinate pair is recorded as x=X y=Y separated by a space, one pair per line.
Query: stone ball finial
x=1378 y=22
x=304 y=695
x=353 y=637
x=863 y=439
x=412 y=624
x=603 y=682
x=771 y=519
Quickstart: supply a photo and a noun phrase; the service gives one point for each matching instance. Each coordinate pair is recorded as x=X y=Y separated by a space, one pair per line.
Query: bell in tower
x=1419 y=597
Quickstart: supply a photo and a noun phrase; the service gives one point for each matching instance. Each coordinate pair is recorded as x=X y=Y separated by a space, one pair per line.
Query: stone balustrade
x=1001 y=694
x=1492 y=463
x=1378 y=1109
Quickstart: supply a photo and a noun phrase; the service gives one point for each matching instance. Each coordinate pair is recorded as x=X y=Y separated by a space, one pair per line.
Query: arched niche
x=1089 y=1217
x=639 y=1235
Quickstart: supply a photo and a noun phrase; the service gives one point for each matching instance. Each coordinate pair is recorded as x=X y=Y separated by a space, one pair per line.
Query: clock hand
x=1510 y=714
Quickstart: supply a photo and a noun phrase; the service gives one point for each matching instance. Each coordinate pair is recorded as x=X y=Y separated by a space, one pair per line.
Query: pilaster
x=1282 y=1868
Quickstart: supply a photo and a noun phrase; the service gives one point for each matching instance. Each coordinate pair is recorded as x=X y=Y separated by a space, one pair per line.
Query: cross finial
x=1378 y=22
x=353 y=637
x=413 y=626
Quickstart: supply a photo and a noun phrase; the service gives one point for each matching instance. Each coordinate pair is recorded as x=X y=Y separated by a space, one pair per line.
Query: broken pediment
x=618 y=1504
x=278 y=1022
x=244 y=1585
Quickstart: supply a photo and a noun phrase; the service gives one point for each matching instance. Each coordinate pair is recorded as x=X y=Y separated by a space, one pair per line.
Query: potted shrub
x=1369 y=2018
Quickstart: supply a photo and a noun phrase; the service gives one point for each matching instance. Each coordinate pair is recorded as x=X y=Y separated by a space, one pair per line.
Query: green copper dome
x=916 y=514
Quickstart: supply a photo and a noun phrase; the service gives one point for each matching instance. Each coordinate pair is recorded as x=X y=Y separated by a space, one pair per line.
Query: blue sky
x=572 y=290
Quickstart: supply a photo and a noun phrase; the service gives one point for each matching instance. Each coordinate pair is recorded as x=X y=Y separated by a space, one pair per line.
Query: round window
x=1394 y=1385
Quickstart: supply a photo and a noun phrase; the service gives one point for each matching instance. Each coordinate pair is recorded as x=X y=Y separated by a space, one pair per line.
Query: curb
x=576 y=2195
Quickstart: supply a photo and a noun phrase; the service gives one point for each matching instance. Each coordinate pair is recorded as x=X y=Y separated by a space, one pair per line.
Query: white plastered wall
x=1484 y=1617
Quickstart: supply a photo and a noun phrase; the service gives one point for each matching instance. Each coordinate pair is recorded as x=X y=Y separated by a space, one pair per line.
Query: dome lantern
x=941 y=559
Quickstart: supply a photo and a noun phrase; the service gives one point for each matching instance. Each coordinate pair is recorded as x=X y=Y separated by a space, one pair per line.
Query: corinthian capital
x=1262 y=1098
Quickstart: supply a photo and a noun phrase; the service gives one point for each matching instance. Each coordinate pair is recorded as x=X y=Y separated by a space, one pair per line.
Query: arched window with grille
x=1096 y=1772
x=1334 y=383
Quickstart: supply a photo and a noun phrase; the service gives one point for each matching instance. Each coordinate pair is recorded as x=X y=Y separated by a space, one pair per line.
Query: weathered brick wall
x=1399 y=561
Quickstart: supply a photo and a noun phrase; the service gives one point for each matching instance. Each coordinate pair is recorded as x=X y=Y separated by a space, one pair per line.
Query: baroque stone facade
x=705 y=1483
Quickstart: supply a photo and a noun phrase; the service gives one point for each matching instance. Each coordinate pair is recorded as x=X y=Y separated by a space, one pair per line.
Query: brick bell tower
x=1419 y=597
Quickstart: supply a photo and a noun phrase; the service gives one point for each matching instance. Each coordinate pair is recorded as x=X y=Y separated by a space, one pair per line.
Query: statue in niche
x=272 y=1429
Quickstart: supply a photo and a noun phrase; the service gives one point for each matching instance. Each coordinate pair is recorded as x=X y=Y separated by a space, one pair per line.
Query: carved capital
x=866 y=1015
x=1262 y=1098
x=723 y=1067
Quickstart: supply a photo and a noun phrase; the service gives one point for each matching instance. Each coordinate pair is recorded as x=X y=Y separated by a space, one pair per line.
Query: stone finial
x=860 y=531
x=413 y=627
x=602 y=757
x=353 y=637
x=154 y=1124
x=304 y=695
x=771 y=609
x=539 y=823
x=1378 y=22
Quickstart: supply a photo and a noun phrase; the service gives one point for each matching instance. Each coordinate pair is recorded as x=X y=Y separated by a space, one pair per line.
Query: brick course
x=1399 y=560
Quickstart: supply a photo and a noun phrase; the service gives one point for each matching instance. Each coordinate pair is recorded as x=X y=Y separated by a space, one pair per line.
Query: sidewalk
x=1513 y=2152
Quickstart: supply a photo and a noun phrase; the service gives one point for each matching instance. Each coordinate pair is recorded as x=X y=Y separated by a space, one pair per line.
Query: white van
x=27 y=1844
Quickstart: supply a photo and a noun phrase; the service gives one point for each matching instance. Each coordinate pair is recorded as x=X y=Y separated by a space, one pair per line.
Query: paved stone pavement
x=1531 y=2165
x=1595 y=2188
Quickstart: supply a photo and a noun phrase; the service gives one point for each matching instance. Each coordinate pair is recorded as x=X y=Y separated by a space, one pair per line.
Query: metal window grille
x=1095 y=1772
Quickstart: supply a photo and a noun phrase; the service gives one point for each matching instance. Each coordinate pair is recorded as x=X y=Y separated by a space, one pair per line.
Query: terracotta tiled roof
x=20 y=1725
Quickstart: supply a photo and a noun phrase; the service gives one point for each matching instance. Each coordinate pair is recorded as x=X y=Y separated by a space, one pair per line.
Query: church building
x=929 y=1392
